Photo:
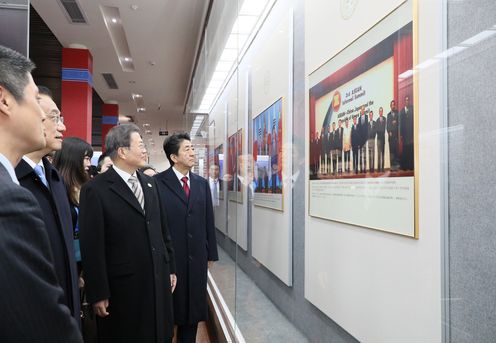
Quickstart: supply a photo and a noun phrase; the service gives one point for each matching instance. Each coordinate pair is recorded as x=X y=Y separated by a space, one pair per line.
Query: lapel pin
x=149 y=185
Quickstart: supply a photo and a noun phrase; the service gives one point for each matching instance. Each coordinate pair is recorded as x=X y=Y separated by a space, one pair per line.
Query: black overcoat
x=127 y=258
x=31 y=300
x=56 y=213
x=191 y=222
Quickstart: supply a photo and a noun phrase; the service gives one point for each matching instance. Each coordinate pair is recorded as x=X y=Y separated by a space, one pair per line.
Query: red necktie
x=185 y=186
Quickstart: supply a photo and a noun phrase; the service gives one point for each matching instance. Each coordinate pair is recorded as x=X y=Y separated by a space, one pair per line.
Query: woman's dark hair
x=69 y=162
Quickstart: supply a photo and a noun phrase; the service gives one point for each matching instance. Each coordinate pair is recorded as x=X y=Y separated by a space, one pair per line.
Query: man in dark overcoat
x=186 y=198
x=44 y=181
x=127 y=255
x=31 y=299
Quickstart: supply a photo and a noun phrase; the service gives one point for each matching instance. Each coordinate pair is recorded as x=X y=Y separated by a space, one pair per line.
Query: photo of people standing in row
x=367 y=143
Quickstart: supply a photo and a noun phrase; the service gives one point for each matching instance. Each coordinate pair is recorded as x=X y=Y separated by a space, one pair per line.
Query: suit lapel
x=120 y=187
x=147 y=191
x=194 y=189
x=171 y=181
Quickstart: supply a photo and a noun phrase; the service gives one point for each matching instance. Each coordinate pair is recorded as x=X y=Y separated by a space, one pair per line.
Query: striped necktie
x=138 y=192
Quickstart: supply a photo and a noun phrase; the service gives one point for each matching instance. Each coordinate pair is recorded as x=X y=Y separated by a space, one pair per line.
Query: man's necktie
x=138 y=192
x=41 y=174
x=185 y=186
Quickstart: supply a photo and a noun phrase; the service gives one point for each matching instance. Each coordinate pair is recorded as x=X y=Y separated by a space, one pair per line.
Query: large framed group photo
x=363 y=129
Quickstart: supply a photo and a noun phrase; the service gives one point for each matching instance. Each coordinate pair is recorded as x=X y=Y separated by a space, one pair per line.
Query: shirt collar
x=32 y=164
x=123 y=174
x=10 y=169
x=179 y=175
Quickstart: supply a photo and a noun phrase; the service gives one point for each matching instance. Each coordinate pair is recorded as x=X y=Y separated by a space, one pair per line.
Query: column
x=77 y=87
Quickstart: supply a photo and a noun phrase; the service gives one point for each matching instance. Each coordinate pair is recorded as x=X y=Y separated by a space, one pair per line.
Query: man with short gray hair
x=126 y=248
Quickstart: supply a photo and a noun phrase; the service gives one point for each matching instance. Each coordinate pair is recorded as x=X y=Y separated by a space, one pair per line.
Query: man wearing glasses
x=36 y=174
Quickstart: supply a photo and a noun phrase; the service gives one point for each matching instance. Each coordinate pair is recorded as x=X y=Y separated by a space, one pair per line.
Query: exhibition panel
x=351 y=273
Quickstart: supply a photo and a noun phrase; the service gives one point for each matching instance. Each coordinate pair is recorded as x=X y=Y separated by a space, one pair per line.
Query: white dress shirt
x=125 y=176
x=180 y=176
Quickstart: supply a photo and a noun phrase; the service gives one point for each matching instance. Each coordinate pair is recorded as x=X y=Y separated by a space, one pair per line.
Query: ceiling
x=163 y=37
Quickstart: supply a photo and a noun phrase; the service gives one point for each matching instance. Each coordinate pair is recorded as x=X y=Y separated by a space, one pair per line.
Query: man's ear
x=173 y=158
x=121 y=153
x=6 y=101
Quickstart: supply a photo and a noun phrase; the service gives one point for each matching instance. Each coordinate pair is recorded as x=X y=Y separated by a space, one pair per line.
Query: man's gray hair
x=119 y=137
x=14 y=70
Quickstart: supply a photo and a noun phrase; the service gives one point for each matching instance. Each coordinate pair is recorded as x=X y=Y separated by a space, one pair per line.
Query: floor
x=202 y=334
x=257 y=317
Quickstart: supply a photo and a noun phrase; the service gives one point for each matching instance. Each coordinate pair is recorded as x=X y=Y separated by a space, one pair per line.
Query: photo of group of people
x=362 y=131
x=362 y=114
x=363 y=144
x=267 y=147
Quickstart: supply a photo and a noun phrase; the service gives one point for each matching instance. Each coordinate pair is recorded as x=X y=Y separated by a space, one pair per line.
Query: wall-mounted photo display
x=234 y=176
x=268 y=157
x=363 y=115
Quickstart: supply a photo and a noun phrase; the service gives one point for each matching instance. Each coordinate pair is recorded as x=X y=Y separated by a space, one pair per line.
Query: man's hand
x=100 y=308
x=173 y=279
x=210 y=264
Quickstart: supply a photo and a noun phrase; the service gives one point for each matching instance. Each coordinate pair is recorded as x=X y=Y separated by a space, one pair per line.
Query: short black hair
x=43 y=90
x=14 y=70
x=172 y=144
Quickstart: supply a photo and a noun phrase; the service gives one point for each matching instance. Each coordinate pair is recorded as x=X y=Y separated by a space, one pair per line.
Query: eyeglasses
x=57 y=119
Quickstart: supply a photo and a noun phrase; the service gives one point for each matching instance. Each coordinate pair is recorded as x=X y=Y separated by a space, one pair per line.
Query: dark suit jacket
x=31 y=300
x=58 y=223
x=338 y=138
x=380 y=126
x=355 y=136
x=193 y=233
x=127 y=258
x=363 y=129
x=406 y=125
x=393 y=126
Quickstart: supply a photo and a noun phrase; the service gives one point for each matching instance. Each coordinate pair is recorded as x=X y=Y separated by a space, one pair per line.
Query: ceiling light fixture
x=249 y=19
x=114 y=20
x=134 y=7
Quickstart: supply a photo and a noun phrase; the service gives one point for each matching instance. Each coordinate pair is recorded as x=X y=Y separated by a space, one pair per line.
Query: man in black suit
x=393 y=135
x=31 y=298
x=338 y=147
x=39 y=176
x=371 y=133
x=355 y=143
x=127 y=254
x=186 y=197
x=406 y=135
x=363 y=125
x=380 y=125
x=215 y=183
x=332 y=147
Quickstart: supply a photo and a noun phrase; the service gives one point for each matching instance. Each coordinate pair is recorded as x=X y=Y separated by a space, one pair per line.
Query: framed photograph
x=234 y=169
x=267 y=156
x=363 y=130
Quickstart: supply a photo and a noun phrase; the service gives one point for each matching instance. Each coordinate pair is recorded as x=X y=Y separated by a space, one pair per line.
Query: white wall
x=380 y=287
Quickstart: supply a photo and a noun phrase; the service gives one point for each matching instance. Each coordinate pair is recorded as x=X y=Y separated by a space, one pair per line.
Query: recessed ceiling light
x=127 y=59
x=134 y=7
x=114 y=20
